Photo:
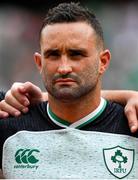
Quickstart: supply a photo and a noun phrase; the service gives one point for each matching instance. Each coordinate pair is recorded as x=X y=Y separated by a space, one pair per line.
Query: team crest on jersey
x=119 y=160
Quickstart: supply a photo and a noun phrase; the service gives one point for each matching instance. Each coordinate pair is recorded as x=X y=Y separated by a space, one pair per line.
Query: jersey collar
x=81 y=122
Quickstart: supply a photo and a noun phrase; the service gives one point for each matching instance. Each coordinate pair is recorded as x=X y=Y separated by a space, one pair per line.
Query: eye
x=52 y=54
x=76 y=53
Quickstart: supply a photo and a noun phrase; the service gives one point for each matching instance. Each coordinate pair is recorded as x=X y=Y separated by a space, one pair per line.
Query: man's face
x=69 y=61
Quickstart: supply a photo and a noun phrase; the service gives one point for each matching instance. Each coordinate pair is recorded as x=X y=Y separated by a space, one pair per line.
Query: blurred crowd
x=19 y=29
x=18 y=41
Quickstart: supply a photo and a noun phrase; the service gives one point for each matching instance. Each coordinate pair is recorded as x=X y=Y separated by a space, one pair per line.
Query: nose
x=64 y=66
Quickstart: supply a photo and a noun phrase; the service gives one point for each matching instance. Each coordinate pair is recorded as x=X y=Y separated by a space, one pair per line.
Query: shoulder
x=114 y=119
x=31 y=121
x=41 y=107
x=120 y=120
x=115 y=106
x=114 y=110
x=25 y=121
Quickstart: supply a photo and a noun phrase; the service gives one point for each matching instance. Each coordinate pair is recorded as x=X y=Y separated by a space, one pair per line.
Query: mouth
x=64 y=81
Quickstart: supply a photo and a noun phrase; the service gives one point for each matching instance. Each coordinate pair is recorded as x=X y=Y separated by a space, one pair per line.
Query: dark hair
x=73 y=12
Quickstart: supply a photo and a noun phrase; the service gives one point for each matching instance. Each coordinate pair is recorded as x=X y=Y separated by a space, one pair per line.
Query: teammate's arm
x=21 y=95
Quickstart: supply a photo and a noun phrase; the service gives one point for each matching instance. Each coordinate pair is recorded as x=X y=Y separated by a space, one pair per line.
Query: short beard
x=86 y=83
x=68 y=94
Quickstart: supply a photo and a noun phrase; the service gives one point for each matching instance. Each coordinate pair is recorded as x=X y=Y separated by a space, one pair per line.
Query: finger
x=9 y=109
x=3 y=114
x=132 y=118
x=21 y=97
x=31 y=89
x=15 y=98
x=12 y=101
x=32 y=92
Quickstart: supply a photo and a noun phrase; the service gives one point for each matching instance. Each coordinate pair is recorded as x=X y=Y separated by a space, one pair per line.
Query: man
x=69 y=137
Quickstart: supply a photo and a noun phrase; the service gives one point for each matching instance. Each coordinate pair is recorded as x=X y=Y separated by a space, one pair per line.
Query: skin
x=71 y=65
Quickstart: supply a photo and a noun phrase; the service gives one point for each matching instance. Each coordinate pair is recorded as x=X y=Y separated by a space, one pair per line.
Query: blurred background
x=20 y=22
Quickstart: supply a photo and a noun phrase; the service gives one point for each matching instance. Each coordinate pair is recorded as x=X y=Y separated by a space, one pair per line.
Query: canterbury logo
x=26 y=156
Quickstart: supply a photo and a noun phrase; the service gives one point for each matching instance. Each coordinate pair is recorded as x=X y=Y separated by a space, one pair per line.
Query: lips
x=66 y=80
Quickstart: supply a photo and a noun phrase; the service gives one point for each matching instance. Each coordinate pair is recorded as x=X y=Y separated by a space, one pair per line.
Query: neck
x=74 y=110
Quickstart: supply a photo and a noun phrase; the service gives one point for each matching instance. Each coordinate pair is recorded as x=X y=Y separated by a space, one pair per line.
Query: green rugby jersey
x=41 y=145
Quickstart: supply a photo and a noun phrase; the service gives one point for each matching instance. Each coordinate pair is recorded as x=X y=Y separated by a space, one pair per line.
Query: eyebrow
x=49 y=51
x=71 y=50
x=80 y=50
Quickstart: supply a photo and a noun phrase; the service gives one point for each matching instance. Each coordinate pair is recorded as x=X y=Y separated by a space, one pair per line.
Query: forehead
x=67 y=34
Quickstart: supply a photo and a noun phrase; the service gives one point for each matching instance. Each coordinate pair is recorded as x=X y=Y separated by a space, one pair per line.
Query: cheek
x=48 y=71
x=48 y=68
x=91 y=71
x=44 y=71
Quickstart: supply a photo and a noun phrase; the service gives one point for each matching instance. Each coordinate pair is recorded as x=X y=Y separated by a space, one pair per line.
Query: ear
x=38 y=61
x=105 y=57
